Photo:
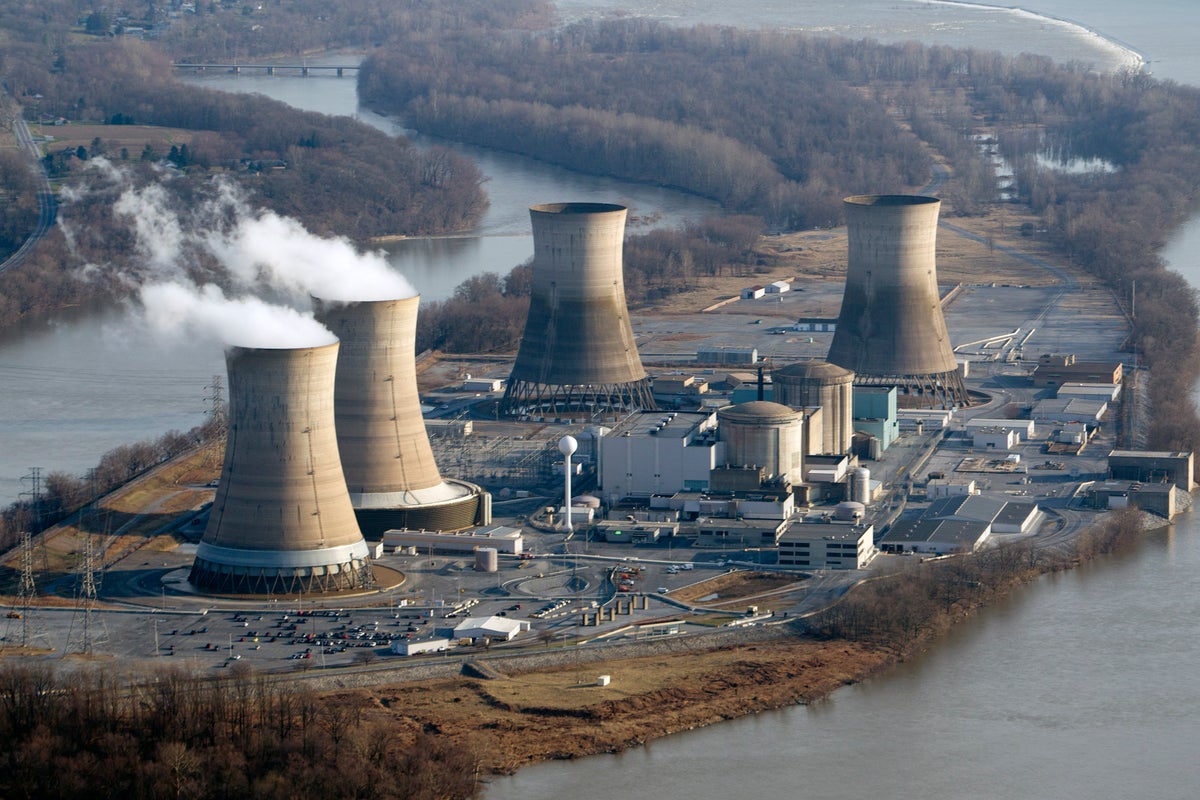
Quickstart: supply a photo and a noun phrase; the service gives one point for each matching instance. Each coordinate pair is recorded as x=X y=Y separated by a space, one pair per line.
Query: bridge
x=304 y=69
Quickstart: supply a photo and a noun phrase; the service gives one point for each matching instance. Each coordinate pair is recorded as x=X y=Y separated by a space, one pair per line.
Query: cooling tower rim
x=287 y=559
x=235 y=350
x=444 y=493
x=890 y=200
x=577 y=208
x=328 y=304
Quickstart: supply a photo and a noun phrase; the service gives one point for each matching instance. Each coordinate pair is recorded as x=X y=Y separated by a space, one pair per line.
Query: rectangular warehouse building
x=655 y=452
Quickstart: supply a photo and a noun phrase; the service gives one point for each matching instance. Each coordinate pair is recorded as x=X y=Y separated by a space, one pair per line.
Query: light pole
x=567 y=446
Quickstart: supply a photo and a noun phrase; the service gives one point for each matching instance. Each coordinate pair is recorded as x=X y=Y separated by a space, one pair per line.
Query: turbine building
x=890 y=331
x=577 y=354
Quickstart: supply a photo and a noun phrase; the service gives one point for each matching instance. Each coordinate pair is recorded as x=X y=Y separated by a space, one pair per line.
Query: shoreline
x=1135 y=59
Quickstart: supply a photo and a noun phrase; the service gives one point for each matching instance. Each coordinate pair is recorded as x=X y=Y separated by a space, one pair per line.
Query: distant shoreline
x=1133 y=58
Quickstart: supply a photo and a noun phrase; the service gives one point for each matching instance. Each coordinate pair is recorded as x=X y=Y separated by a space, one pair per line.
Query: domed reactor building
x=819 y=383
x=890 y=331
x=282 y=521
x=386 y=457
x=578 y=356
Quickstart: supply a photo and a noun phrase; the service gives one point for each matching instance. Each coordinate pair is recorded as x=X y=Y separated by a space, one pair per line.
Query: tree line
x=93 y=735
x=903 y=610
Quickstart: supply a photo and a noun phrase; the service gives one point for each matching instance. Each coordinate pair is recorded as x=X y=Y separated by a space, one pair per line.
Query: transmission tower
x=25 y=589
x=34 y=478
x=85 y=603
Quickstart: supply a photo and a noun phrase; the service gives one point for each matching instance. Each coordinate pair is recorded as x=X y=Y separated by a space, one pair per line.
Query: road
x=47 y=203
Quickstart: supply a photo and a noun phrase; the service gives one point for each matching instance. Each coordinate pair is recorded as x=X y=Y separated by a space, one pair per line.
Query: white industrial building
x=495 y=628
x=427 y=644
x=1024 y=428
x=1069 y=409
x=778 y=287
x=994 y=438
x=1109 y=392
x=827 y=545
x=938 y=488
x=654 y=452
x=505 y=540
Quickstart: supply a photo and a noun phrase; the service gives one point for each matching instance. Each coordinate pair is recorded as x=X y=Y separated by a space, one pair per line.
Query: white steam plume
x=257 y=252
x=281 y=253
x=186 y=310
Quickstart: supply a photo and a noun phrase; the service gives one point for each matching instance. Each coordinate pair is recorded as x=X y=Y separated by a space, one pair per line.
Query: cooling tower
x=890 y=331
x=819 y=383
x=282 y=520
x=577 y=355
x=388 y=463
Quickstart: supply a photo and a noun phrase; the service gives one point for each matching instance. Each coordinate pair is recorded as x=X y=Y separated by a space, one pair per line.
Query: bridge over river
x=271 y=69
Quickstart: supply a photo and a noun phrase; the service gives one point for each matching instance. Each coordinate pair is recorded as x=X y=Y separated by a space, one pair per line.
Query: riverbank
x=540 y=707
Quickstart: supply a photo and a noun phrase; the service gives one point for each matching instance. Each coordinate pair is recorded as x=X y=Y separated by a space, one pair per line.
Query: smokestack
x=891 y=331
x=577 y=355
x=389 y=465
x=282 y=520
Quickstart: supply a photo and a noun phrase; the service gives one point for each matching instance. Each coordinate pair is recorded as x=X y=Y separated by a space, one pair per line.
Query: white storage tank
x=862 y=485
x=487 y=559
x=849 y=511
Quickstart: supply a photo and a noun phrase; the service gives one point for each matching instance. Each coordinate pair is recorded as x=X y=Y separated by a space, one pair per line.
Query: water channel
x=1078 y=687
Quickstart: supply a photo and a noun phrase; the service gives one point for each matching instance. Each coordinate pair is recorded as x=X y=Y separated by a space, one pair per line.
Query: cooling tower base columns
x=941 y=390
x=528 y=397
x=228 y=570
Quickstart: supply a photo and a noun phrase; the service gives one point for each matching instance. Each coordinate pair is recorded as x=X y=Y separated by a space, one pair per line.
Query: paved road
x=47 y=204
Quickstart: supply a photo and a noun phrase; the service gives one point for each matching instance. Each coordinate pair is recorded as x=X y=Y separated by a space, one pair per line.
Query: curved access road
x=47 y=204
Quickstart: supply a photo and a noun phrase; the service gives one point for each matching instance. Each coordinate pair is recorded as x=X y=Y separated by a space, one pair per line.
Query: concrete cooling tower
x=577 y=355
x=282 y=521
x=389 y=465
x=891 y=331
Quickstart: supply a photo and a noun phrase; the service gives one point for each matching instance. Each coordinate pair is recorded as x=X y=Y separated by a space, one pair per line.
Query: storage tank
x=862 y=485
x=890 y=330
x=389 y=465
x=849 y=511
x=819 y=383
x=763 y=434
x=487 y=559
x=577 y=354
x=281 y=521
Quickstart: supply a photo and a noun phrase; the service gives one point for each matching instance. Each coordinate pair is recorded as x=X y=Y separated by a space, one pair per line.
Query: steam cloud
x=253 y=253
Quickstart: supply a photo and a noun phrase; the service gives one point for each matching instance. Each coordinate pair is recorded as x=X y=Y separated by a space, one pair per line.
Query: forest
x=782 y=126
x=97 y=734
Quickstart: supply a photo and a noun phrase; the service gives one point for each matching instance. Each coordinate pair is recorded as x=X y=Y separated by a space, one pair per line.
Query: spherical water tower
x=890 y=331
x=282 y=521
x=577 y=355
